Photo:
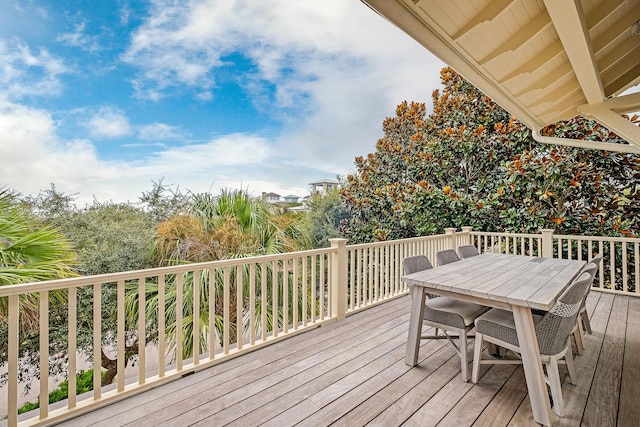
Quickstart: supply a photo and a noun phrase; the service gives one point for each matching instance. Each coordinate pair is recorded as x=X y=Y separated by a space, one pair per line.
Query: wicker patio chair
x=583 y=316
x=553 y=332
x=467 y=251
x=582 y=321
x=447 y=314
x=447 y=257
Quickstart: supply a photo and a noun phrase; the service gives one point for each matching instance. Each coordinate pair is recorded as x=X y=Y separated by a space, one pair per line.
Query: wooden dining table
x=511 y=282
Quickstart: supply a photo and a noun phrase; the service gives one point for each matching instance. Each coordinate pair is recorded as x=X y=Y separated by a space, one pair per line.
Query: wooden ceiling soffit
x=545 y=57
x=548 y=79
x=487 y=14
x=536 y=26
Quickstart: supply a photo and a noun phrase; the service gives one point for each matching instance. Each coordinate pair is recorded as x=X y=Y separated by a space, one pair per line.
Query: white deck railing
x=299 y=289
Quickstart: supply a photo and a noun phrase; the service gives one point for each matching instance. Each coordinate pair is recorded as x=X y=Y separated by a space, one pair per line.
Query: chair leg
x=464 y=356
x=556 y=387
x=585 y=321
x=568 y=357
x=477 y=352
x=579 y=337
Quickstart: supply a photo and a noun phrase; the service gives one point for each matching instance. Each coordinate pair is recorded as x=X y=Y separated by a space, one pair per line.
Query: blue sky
x=103 y=97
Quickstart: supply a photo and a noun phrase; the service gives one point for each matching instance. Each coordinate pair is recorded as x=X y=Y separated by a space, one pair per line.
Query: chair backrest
x=592 y=268
x=447 y=257
x=556 y=325
x=596 y=260
x=416 y=263
x=467 y=251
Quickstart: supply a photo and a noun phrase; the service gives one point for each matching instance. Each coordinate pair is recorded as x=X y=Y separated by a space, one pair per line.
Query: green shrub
x=84 y=383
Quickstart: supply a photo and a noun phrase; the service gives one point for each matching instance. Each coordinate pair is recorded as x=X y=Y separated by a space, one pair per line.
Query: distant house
x=271 y=197
x=323 y=186
x=291 y=198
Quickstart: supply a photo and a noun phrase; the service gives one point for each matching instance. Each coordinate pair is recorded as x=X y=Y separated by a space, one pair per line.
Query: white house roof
x=542 y=60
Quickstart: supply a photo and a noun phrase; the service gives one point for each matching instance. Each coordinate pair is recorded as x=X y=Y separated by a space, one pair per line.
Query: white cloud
x=34 y=156
x=235 y=150
x=78 y=38
x=109 y=122
x=24 y=73
x=338 y=68
x=159 y=131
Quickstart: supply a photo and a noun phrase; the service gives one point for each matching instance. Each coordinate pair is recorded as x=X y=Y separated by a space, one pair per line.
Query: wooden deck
x=353 y=373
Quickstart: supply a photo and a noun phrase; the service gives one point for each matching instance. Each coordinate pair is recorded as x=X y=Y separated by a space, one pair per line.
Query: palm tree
x=230 y=225
x=29 y=253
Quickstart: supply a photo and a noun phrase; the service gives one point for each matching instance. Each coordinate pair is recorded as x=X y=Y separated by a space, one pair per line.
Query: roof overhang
x=543 y=61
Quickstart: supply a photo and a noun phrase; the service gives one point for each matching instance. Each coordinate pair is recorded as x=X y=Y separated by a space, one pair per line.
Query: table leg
x=532 y=365
x=415 y=324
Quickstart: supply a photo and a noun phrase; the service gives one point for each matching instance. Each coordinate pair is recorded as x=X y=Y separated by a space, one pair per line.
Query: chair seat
x=452 y=311
x=501 y=325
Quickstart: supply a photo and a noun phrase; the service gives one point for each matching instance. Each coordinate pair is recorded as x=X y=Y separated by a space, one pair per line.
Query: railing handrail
x=74 y=282
x=390 y=242
x=597 y=238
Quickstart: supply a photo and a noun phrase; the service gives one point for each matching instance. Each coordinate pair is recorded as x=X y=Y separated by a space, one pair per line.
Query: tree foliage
x=229 y=225
x=471 y=163
x=326 y=213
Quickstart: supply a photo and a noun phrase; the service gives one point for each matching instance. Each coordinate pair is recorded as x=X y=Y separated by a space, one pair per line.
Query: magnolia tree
x=471 y=163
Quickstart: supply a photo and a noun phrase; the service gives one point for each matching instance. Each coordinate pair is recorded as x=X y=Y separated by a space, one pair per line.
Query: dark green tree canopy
x=471 y=163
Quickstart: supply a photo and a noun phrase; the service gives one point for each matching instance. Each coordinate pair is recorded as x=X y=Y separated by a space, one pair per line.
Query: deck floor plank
x=200 y=405
x=433 y=353
x=352 y=373
x=233 y=374
x=629 y=409
x=505 y=403
x=575 y=396
x=307 y=382
x=602 y=409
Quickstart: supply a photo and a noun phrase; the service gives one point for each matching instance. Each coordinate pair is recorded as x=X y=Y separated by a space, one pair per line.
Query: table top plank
x=513 y=279
x=542 y=275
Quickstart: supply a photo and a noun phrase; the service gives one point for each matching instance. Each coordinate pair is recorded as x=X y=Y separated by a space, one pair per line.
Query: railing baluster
x=120 y=325
x=274 y=296
x=161 y=325
x=601 y=270
x=314 y=284
x=196 y=317
x=295 y=293
x=239 y=306
x=625 y=279
x=179 y=320
x=44 y=354
x=142 y=331
x=305 y=290
x=97 y=341
x=252 y=304
x=263 y=300
x=636 y=263
x=612 y=264
x=225 y=310
x=72 y=325
x=285 y=296
x=12 y=359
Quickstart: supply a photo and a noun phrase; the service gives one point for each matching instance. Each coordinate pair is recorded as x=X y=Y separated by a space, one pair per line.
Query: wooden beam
x=613 y=121
x=571 y=27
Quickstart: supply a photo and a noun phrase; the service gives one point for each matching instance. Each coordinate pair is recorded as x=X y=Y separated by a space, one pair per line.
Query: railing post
x=467 y=233
x=339 y=278
x=451 y=232
x=547 y=242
